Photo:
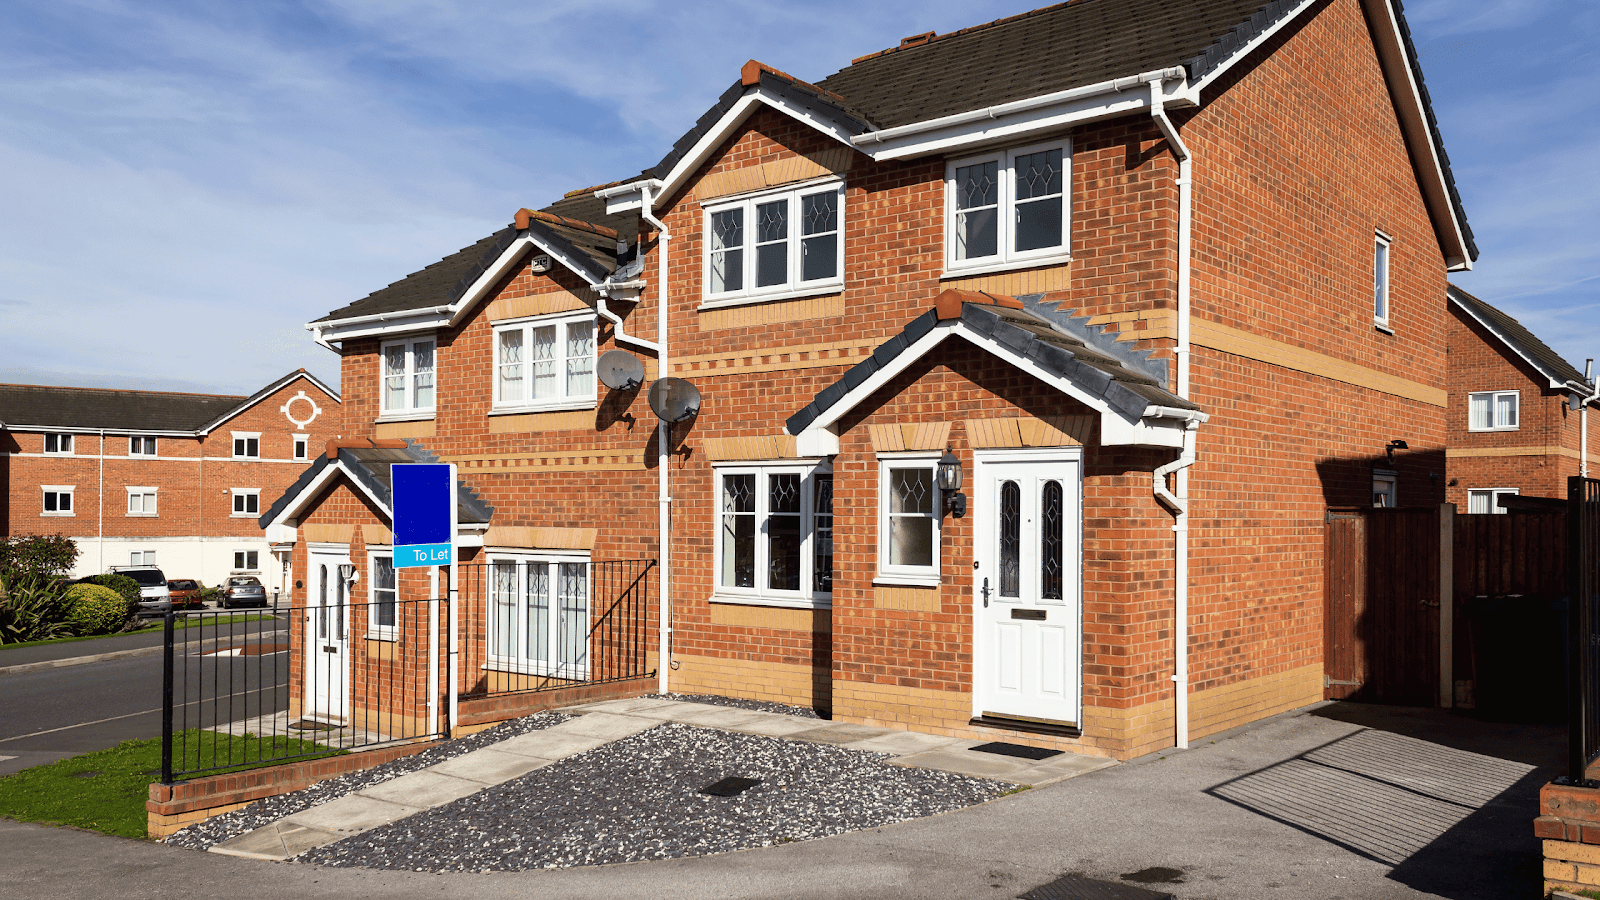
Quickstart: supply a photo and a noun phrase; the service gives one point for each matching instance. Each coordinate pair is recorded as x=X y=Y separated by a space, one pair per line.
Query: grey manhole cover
x=1021 y=751
x=1077 y=887
x=730 y=786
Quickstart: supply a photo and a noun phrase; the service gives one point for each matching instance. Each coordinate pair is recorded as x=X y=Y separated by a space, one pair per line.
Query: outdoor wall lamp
x=348 y=573
x=1392 y=446
x=950 y=483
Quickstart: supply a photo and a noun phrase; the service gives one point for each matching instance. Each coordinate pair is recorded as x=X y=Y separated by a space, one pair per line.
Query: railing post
x=166 y=698
x=1578 y=638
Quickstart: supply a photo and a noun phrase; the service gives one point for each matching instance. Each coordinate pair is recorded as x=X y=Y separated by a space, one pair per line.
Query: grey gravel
x=741 y=703
x=639 y=799
x=202 y=835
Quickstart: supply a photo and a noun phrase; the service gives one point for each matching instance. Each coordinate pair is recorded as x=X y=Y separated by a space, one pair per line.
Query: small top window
x=1493 y=411
x=141 y=446
x=1008 y=207
x=302 y=444
x=246 y=445
x=1380 y=280
x=545 y=363
x=775 y=243
x=408 y=376
x=58 y=443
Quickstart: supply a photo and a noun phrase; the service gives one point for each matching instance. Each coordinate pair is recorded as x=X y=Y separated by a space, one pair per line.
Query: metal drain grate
x=1018 y=750
x=1077 y=887
x=730 y=786
x=308 y=725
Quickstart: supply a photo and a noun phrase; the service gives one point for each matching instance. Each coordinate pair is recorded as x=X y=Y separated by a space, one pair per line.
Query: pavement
x=1335 y=801
x=597 y=724
x=37 y=657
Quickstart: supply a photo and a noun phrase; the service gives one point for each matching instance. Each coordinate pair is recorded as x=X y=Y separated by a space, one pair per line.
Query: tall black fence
x=1583 y=566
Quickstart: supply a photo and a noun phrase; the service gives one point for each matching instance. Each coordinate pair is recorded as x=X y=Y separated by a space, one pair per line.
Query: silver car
x=243 y=590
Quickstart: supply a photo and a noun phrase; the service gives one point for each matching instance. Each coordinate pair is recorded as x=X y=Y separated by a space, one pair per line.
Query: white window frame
x=147 y=501
x=141 y=446
x=141 y=557
x=1380 y=279
x=1494 y=499
x=1494 y=404
x=1005 y=256
x=246 y=497
x=63 y=444
x=809 y=596
x=242 y=444
x=794 y=286
x=408 y=407
x=375 y=630
x=521 y=661
x=901 y=574
x=243 y=556
x=302 y=446
x=561 y=322
x=58 y=491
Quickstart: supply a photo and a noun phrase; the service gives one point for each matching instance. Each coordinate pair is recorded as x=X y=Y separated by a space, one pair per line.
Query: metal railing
x=1583 y=567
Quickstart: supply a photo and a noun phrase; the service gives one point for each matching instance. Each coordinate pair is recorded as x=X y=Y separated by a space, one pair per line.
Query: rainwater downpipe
x=663 y=432
x=1179 y=502
x=100 y=542
x=1583 y=418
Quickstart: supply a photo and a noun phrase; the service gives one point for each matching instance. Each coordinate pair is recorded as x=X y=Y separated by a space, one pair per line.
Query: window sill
x=143 y=515
x=386 y=636
x=405 y=417
x=244 y=516
x=1512 y=428
x=987 y=268
x=778 y=602
x=245 y=458
x=907 y=580
x=564 y=406
x=59 y=515
x=1383 y=327
x=817 y=290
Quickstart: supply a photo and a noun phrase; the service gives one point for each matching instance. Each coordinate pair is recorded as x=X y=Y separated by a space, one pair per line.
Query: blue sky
x=185 y=184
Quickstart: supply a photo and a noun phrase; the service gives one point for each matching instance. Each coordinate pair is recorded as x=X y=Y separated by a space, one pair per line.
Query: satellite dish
x=619 y=370
x=674 y=399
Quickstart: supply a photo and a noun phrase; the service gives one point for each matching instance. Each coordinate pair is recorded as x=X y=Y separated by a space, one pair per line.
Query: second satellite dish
x=674 y=399
x=619 y=370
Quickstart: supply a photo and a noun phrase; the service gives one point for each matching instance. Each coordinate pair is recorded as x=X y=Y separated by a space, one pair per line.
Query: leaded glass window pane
x=727 y=251
x=819 y=242
x=422 y=374
x=511 y=379
x=1010 y=539
x=536 y=610
x=1051 y=544
x=580 y=359
x=738 y=531
x=543 y=354
x=574 y=626
x=911 y=490
x=783 y=531
x=977 y=210
x=1038 y=180
x=394 y=377
x=822 y=534
x=383 y=591
x=772 y=243
x=503 y=609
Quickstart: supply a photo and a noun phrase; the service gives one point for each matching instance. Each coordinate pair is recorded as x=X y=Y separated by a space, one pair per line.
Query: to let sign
x=424 y=496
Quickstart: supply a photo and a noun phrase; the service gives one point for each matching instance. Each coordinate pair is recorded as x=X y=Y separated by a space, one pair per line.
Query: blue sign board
x=424 y=497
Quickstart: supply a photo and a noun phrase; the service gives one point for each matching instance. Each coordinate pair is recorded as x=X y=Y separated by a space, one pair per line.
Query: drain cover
x=308 y=725
x=1018 y=750
x=729 y=787
x=1077 y=887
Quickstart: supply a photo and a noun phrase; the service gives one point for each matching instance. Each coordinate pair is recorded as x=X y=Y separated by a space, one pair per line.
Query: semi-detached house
x=1158 y=281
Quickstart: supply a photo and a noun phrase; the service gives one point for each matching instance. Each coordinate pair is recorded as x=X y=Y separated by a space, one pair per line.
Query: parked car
x=154 y=599
x=186 y=593
x=243 y=590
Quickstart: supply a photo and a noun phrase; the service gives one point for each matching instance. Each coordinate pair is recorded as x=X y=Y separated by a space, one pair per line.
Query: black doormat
x=1077 y=887
x=730 y=786
x=1021 y=751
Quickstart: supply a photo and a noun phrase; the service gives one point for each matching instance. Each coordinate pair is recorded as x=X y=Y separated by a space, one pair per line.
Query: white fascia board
x=1556 y=382
x=266 y=392
x=399 y=322
x=317 y=486
x=507 y=260
x=1247 y=49
x=1414 y=121
x=92 y=431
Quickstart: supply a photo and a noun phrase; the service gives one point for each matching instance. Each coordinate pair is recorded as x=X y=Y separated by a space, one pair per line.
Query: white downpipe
x=100 y=542
x=663 y=433
x=455 y=636
x=433 y=649
x=1583 y=418
x=622 y=337
x=1179 y=502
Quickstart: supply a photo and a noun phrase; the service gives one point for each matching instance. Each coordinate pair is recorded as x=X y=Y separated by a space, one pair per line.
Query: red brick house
x=150 y=477
x=1517 y=411
x=1161 y=282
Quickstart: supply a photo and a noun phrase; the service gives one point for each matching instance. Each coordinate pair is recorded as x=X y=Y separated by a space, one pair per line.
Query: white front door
x=1028 y=612
x=327 y=616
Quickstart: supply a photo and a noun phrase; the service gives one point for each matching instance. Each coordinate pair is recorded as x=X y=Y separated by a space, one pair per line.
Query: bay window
x=775 y=243
x=545 y=363
x=538 y=615
x=775 y=535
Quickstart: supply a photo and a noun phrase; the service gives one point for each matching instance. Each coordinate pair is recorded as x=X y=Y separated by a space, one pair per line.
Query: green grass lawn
x=106 y=790
x=185 y=622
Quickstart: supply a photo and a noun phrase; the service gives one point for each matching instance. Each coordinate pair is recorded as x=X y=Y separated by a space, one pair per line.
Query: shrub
x=93 y=609
x=45 y=554
x=122 y=584
x=32 y=608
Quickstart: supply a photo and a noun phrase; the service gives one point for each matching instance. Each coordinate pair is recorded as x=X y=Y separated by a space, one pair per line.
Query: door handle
x=986 y=592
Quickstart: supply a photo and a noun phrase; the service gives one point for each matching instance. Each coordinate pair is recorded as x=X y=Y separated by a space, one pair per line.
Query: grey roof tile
x=371 y=466
x=74 y=407
x=1516 y=336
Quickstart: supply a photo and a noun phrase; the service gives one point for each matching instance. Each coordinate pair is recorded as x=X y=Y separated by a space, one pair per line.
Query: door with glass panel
x=1027 y=642
x=327 y=624
x=539 y=617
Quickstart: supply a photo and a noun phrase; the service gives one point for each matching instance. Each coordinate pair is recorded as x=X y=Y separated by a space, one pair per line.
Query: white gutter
x=1179 y=502
x=663 y=433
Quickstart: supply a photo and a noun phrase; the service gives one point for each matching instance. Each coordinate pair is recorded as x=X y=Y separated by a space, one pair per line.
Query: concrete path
x=597 y=724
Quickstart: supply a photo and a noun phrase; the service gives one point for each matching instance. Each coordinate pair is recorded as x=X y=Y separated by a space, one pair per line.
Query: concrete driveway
x=1340 y=801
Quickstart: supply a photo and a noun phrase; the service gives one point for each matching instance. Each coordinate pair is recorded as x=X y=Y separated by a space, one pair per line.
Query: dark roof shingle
x=75 y=407
x=1516 y=336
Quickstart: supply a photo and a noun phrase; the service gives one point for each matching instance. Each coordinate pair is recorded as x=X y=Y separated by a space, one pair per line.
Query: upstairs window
x=1380 y=280
x=246 y=501
x=141 y=446
x=141 y=501
x=58 y=443
x=247 y=445
x=408 y=376
x=1493 y=410
x=1008 y=208
x=775 y=243
x=57 y=500
x=545 y=363
x=302 y=443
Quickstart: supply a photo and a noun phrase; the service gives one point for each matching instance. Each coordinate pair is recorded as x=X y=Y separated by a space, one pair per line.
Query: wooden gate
x=1381 y=632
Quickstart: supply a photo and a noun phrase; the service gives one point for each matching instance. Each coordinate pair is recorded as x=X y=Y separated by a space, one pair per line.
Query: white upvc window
x=408 y=376
x=141 y=501
x=1493 y=410
x=246 y=445
x=775 y=243
x=1008 y=208
x=1380 y=279
x=247 y=560
x=774 y=531
x=57 y=500
x=302 y=446
x=545 y=363
x=382 y=619
x=141 y=446
x=141 y=557
x=246 y=502
x=538 y=617
x=60 y=444
x=909 y=522
x=1487 y=501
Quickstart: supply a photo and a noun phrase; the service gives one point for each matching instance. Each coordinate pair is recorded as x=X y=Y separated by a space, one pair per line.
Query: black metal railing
x=1583 y=567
